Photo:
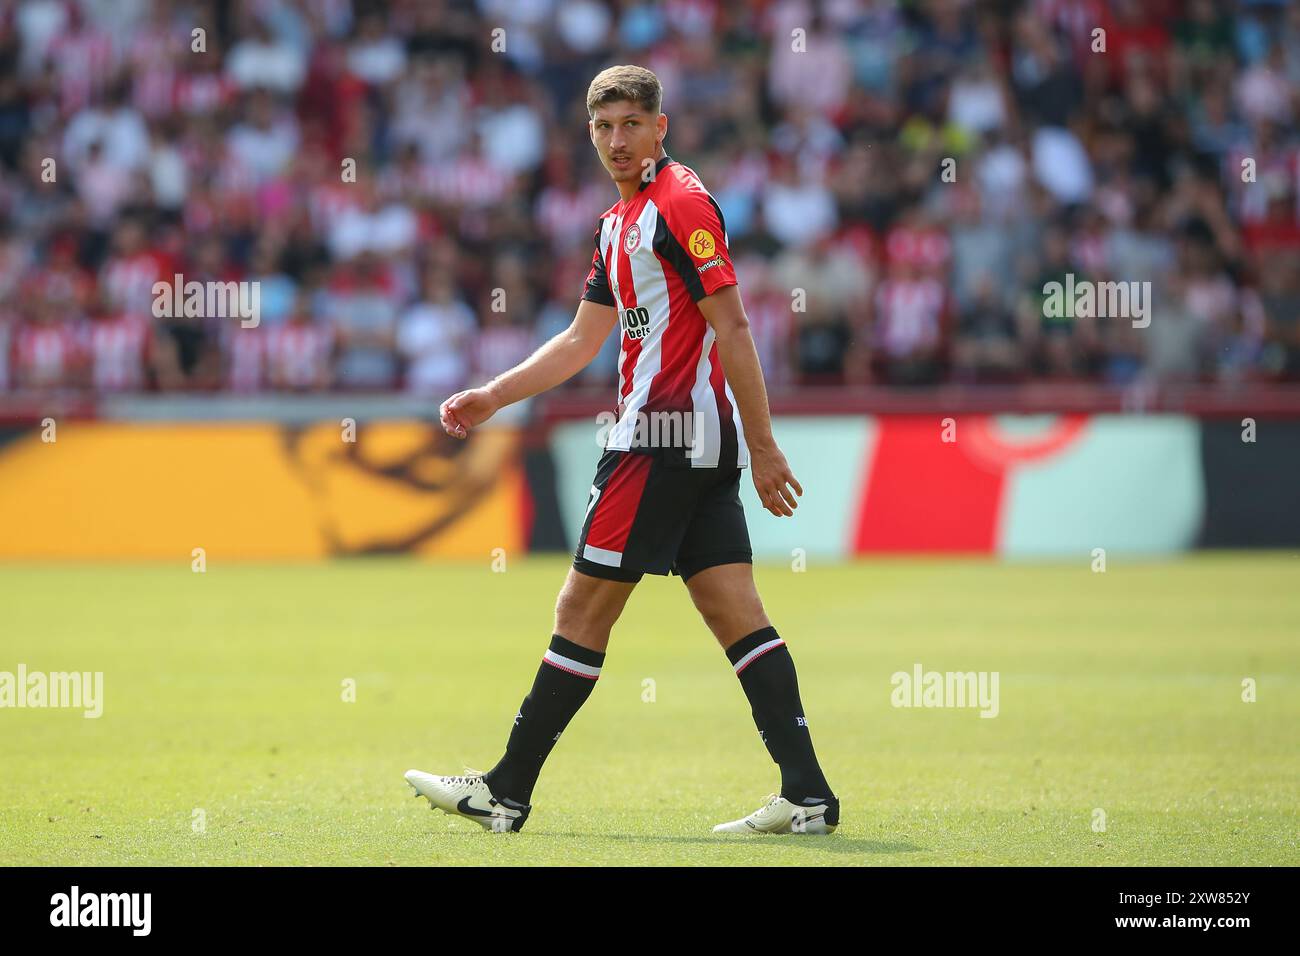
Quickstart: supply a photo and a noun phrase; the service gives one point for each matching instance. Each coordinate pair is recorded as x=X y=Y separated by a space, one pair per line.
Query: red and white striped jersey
x=47 y=354
x=128 y=281
x=202 y=93
x=909 y=315
x=657 y=255
x=119 y=351
x=84 y=63
x=298 y=355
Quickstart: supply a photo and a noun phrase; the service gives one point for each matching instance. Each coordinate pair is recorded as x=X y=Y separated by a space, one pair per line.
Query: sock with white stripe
x=766 y=671
x=564 y=681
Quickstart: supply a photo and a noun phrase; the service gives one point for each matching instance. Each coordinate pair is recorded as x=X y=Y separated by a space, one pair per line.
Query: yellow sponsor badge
x=701 y=244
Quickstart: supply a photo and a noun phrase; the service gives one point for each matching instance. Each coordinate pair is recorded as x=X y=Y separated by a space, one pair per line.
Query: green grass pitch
x=223 y=693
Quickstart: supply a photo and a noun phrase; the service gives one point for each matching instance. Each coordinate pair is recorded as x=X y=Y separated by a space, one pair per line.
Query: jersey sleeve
x=597 y=288
x=692 y=238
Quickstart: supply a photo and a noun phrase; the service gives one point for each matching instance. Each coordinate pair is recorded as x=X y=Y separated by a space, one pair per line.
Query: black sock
x=564 y=682
x=766 y=671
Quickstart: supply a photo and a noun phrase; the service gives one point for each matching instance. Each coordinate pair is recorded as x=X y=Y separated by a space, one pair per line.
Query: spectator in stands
x=48 y=347
x=120 y=349
x=909 y=324
x=299 y=350
x=986 y=347
x=363 y=309
x=1059 y=340
x=435 y=338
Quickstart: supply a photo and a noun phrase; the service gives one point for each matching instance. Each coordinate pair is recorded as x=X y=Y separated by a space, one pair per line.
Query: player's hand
x=773 y=481
x=466 y=409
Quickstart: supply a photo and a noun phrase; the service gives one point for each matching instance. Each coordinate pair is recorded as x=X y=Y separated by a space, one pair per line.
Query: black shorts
x=652 y=513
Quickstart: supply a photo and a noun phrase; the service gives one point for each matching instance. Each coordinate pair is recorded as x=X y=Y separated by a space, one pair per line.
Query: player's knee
x=729 y=616
x=585 y=616
x=571 y=617
x=715 y=612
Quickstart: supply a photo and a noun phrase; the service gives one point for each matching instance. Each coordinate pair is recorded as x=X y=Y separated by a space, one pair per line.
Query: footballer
x=661 y=271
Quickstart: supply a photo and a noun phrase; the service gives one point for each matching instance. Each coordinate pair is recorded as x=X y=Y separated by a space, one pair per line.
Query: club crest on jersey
x=701 y=244
x=632 y=239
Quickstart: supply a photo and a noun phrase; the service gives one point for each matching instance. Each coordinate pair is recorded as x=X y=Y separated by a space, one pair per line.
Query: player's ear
x=661 y=124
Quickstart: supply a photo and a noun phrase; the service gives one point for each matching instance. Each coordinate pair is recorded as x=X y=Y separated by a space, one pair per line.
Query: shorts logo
x=701 y=244
x=632 y=239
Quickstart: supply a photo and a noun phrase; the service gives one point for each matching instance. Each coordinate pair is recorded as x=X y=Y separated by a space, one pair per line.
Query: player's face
x=626 y=136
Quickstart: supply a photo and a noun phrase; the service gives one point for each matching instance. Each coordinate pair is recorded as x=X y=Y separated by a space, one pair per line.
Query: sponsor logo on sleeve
x=701 y=244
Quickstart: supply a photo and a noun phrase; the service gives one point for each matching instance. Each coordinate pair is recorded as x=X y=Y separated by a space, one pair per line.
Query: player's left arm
x=773 y=479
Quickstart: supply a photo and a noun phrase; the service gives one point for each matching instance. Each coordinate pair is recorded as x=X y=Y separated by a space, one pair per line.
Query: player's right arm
x=557 y=361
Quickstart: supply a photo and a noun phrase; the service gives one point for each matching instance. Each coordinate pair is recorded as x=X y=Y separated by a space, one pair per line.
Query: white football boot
x=468 y=796
x=779 y=815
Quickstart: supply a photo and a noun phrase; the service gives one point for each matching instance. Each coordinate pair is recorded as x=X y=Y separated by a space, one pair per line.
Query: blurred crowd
x=899 y=181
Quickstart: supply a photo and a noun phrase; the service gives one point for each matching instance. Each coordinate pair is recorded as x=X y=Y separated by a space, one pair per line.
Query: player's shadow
x=812 y=844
